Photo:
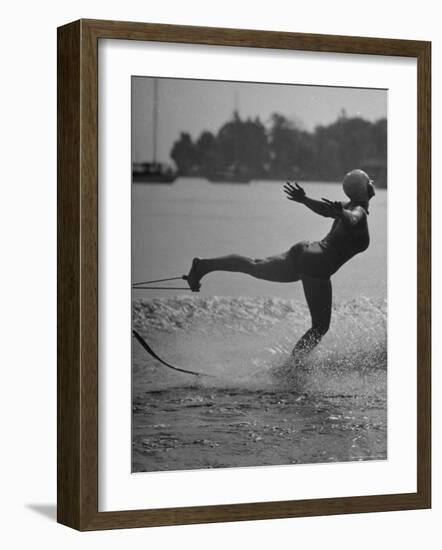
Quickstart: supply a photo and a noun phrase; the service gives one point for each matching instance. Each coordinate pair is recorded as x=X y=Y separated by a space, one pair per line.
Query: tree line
x=284 y=150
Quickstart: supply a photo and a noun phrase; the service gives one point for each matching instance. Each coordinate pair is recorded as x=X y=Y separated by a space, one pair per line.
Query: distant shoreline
x=269 y=180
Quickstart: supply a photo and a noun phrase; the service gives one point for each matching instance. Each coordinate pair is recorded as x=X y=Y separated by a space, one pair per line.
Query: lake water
x=173 y=223
x=256 y=408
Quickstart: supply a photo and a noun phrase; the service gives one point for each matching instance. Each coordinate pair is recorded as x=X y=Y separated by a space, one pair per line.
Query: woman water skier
x=311 y=262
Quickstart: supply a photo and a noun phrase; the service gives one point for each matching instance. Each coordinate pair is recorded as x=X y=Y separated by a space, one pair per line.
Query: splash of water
x=247 y=342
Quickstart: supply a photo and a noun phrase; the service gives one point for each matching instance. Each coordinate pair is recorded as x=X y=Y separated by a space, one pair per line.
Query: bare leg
x=278 y=269
x=318 y=293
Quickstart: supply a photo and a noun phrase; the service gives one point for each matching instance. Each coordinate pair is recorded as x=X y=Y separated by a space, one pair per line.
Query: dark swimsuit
x=321 y=259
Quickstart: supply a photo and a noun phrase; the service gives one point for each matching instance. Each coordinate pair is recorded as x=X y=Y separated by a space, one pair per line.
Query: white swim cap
x=356 y=185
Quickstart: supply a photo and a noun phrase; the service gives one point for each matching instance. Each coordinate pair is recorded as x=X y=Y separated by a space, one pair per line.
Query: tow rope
x=146 y=285
x=150 y=351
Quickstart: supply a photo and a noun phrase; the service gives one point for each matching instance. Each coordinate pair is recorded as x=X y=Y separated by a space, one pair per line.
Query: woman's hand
x=335 y=208
x=296 y=193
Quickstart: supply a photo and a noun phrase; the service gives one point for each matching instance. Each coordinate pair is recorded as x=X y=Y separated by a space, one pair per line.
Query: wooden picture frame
x=77 y=458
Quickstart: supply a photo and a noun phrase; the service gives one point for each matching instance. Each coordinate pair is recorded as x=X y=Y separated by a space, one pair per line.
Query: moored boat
x=152 y=172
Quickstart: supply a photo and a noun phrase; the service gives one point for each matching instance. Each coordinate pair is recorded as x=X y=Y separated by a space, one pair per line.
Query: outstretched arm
x=350 y=217
x=324 y=207
x=297 y=194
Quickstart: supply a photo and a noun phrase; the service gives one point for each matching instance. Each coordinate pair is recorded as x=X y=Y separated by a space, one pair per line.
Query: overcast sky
x=196 y=105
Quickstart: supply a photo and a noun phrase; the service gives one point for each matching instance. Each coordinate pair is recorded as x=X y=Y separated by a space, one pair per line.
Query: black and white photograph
x=259 y=274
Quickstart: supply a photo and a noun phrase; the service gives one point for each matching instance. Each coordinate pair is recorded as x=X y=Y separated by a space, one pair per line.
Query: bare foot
x=194 y=276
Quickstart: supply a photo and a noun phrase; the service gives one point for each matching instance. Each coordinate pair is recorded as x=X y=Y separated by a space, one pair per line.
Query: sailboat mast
x=155 y=119
x=236 y=103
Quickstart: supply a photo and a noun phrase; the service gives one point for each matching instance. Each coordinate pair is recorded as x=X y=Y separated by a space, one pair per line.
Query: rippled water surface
x=257 y=407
